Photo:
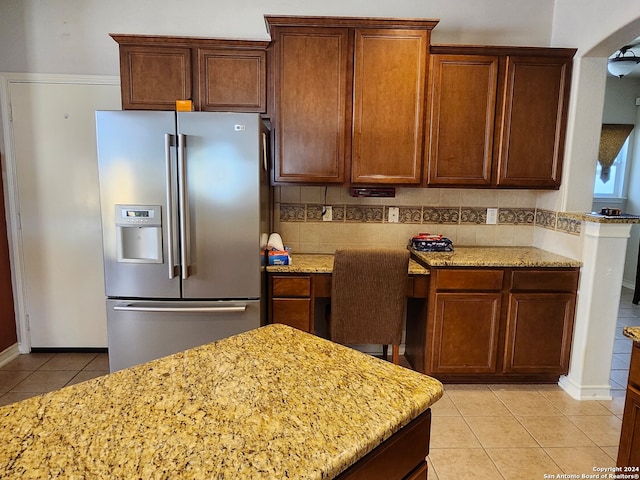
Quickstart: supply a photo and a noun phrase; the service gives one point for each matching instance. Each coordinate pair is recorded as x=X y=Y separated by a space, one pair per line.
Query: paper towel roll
x=264 y=240
x=275 y=242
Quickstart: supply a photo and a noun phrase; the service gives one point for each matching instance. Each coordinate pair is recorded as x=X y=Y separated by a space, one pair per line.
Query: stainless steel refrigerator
x=185 y=212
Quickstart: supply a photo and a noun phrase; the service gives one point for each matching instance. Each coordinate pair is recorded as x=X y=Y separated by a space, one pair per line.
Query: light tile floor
x=36 y=373
x=478 y=431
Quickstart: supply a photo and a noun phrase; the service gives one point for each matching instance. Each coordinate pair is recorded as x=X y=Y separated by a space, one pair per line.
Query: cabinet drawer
x=545 y=280
x=469 y=280
x=634 y=367
x=292 y=311
x=291 y=286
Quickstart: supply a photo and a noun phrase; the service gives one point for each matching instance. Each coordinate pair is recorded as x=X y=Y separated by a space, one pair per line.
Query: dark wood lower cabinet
x=464 y=324
x=291 y=301
x=629 y=448
x=538 y=325
x=497 y=324
x=294 y=298
x=402 y=456
x=466 y=328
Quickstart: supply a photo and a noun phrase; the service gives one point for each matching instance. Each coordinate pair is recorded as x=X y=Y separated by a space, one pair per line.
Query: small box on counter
x=279 y=257
x=426 y=242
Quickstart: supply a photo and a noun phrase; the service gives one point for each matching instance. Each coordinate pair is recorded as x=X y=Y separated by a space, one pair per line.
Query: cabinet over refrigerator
x=185 y=210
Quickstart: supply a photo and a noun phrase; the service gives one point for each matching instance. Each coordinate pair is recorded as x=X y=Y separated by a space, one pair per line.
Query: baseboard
x=9 y=354
x=68 y=350
x=630 y=285
x=582 y=392
x=375 y=350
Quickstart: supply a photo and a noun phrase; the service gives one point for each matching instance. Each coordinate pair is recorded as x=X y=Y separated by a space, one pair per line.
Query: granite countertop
x=622 y=218
x=494 y=257
x=460 y=257
x=323 y=263
x=632 y=332
x=273 y=402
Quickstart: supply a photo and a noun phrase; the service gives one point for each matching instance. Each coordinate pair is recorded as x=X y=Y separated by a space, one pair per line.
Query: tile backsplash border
x=564 y=222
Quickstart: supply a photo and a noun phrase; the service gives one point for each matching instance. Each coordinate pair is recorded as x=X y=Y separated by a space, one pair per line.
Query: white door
x=53 y=133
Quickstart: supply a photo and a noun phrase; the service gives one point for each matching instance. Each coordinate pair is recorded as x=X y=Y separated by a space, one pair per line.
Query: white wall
x=633 y=206
x=71 y=36
x=597 y=28
x=620 y=107
x=619 y=100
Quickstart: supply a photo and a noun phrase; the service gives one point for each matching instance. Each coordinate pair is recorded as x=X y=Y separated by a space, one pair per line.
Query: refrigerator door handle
x=132 y=307
x=168 y=142
x=265 y=156
x=183 y=202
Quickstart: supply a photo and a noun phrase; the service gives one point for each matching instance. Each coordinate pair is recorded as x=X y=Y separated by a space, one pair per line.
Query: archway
x=601 y=281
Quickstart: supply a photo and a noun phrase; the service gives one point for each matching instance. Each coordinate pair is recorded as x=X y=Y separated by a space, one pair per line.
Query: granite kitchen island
x=269 y=403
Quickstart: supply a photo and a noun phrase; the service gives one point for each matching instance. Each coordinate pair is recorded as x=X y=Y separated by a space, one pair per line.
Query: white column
x=603 y=256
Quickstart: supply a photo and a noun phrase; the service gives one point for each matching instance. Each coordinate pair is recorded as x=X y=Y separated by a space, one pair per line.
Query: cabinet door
x=312 y=81
x=389 y=82
x=465 y=333
x=629 y=449
x=153 y=77
x=539 y=332
x=291 y=302
x=462 y=99
x=294 y=312
x=534 y=122
x=232 y=80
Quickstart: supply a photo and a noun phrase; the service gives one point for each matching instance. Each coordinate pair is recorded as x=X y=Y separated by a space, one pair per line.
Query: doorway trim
x=11 y=185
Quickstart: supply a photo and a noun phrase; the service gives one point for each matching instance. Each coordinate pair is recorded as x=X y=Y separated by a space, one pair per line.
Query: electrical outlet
x=492 y=216
x=394 y=214
x=327 y=216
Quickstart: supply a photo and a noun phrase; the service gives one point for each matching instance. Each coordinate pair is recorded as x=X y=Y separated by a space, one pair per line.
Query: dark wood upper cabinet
x=497 y=116
x=311 y=84
x=388 y=105
x=462 y=99
x=532 y=133
x=369 y=100
x=154 y=77
x=216 y=74
x=349 y=99
x=232 y=80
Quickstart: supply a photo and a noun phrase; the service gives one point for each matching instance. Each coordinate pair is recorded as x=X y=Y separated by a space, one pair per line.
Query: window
x=614 y=187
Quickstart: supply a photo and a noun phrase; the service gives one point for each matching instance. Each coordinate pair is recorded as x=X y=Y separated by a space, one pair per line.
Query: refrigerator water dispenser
x=139 y=233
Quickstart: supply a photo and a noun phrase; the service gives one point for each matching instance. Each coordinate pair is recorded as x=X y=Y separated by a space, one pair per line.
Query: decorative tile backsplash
x=458 y=214
x=432 y=215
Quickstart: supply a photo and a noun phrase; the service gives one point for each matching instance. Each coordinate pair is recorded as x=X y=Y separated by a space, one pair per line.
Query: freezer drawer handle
x=134 y=308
